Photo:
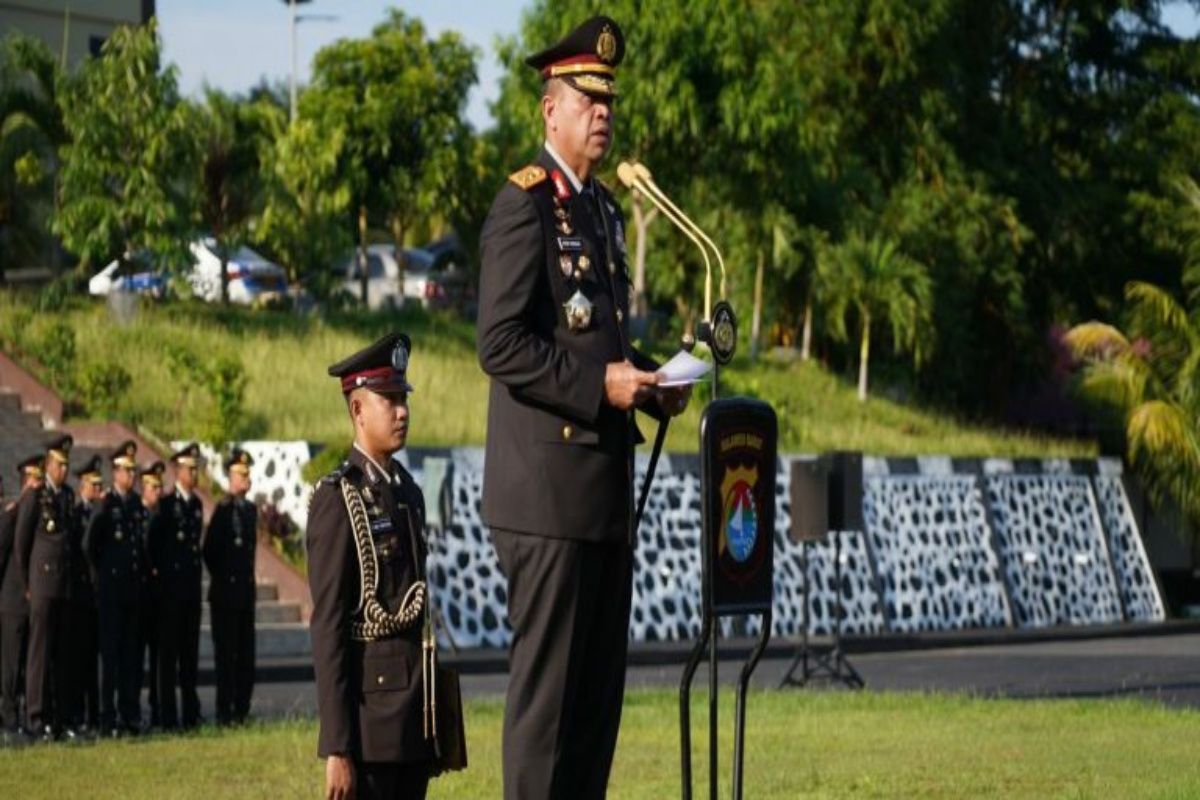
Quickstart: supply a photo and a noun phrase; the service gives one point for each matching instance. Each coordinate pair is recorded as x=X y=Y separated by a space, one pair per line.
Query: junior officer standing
x=558 y=476
x=45 y=527
x=229 y=555
x=115 y=545
x=14 y=605
x=366 y=624
x=175 y=542
x=84 y=702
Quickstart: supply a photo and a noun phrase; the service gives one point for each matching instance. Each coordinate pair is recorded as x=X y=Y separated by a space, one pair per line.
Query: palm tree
x=880 y=284
x=1151 y=374
x=30 y=131
x=232 y=136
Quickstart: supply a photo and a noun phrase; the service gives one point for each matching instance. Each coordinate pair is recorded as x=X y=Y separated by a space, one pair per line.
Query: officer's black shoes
x=47 y=736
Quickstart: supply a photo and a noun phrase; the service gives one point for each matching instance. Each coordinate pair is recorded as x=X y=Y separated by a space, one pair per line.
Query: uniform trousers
x=46 y=686
x=178 y=655
x=233 y=652
x=83 y=663
x=14 y=639
x=568 y=604
x=148 y=649
x=391 y=781
x=120 y=661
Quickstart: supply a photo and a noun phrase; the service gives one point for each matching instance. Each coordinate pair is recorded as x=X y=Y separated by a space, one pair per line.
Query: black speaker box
x=810 y=500
x=845 y=490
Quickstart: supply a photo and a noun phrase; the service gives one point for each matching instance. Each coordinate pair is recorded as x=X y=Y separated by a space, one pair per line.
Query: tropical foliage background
x=922 y=198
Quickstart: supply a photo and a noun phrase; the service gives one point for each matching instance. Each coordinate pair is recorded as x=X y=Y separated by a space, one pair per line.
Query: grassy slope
x=289 y=396
x=799 y=745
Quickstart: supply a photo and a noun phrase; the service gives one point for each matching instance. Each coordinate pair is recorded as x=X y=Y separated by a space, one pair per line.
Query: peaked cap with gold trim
x=90 y=472
x=586 y=58
x=153 y=474
x=239 y=461
x=59 y=448
x=125 y=455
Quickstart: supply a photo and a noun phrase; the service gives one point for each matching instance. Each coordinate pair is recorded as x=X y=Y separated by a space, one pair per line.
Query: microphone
x=629 y=175
x=643 y=173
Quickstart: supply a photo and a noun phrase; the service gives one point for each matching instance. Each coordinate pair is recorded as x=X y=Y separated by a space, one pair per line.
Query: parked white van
x=252 y=278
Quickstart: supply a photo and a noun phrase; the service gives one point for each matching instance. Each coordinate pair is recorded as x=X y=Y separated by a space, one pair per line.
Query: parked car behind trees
x=433 y=282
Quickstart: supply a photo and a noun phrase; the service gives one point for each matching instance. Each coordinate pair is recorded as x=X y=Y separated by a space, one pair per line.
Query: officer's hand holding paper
x=675 y=379
x=683 y=369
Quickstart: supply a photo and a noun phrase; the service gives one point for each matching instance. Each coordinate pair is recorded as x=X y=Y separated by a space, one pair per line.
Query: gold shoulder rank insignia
x=528 y=177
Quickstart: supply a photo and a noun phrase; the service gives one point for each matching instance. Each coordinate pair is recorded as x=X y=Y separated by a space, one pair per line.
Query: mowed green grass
x=289 y=396
x=799 y=745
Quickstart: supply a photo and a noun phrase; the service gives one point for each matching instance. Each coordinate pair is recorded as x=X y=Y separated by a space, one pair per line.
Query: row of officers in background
x=100 y=594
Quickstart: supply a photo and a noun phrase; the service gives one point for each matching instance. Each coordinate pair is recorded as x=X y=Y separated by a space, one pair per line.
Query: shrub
x=102 y=385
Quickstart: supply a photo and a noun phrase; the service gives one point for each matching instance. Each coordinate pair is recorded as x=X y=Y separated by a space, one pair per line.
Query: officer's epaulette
x=528 y=177
x=343 y=470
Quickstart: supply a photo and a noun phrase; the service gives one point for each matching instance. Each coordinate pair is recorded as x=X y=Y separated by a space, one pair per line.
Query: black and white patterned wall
x=948 y=545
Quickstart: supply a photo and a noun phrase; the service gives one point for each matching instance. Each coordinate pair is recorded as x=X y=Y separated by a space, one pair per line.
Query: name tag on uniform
x=381 y=525
x=569 y=244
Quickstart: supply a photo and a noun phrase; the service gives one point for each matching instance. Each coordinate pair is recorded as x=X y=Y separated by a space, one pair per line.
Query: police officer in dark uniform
x=14 y=605
x=175 y=541
x=229 y=555
x=152 y=495
x=83 y=705
x=116 y=546
x=558 y=479
x=45 y=526
x=367 y=625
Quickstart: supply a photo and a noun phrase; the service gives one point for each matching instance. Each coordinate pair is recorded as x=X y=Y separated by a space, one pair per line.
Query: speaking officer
x=115 y=544
x=229 y=555
x=175 y=540
x=152 y=493
x=558 y=476
x=45 y=519
x=14 y=603
x=366 y=625
x=83 y=646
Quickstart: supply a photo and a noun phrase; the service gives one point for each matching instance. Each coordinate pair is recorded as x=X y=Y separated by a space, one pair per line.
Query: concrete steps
x=278 y=630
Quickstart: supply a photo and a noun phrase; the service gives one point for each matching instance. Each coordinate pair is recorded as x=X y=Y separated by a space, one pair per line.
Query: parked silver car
x=427 y=282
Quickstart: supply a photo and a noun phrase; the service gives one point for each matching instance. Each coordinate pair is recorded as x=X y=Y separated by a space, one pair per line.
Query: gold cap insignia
x=606 y=45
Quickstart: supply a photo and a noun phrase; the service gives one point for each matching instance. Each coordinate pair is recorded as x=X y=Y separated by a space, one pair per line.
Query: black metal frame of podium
x=723 y=595
x=826 y=504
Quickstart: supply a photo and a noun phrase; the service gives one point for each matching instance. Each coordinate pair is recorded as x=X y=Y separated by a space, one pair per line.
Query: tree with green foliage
x=307 y=200
x=232 y=135
x=1150 y=374
x=1019 y=150
x=31 y=130
x=124 y=182
x=399 y=97
x=881 y=286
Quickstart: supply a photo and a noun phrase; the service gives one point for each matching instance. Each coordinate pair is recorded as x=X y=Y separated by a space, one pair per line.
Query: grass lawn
x=289 y=396
x=799 y=744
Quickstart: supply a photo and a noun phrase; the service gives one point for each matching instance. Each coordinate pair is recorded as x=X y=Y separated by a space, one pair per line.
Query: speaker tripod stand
x=830 y=664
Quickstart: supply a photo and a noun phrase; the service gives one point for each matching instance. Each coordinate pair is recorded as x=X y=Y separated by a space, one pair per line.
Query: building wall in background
x=86 y=24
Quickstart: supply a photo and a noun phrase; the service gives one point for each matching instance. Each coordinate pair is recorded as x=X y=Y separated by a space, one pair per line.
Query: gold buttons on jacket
x=379 y=680
x=568 y=432
x=620 y=315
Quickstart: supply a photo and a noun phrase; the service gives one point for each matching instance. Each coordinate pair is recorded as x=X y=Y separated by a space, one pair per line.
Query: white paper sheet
x=682 y=369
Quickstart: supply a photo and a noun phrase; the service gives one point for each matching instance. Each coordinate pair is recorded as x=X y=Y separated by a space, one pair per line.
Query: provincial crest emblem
x=739 y=517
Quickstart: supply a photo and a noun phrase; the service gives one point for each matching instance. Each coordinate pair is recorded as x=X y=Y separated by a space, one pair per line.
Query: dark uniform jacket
x=12 y=582
x=116 y=545
x=229 y=553
x=83 y=578
x=369 y=694
x=558 y=459
x=45 y=525
x=175 y=542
